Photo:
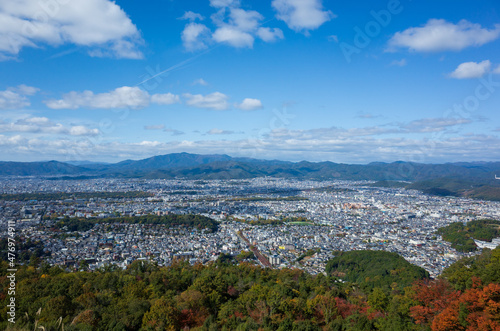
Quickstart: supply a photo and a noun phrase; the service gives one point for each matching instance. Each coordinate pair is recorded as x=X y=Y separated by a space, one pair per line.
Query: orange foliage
x=480 y=308
x=434 y=297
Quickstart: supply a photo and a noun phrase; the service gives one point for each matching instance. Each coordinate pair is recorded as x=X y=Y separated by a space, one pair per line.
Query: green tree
x=163 y=315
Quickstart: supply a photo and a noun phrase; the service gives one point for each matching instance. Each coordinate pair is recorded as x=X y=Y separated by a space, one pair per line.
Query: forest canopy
x=370 y=269
x=461 y=236
x=193 y=221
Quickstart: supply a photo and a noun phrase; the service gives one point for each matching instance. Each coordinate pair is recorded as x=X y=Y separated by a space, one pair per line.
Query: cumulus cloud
x=234 y=26
x=80 y=130
x=121 y=97
x=311 y=145
x=24 y=89
x=165 y=99
x=302 y=15
x=270 y=35
x=249 y=104
x=191 y=16
x=471 y=70
x=194 y=36
x=439 y=35
x=16 y=97
x=215 y=101
x=46 y=126
x=100 y=25
x=233 y=36
x=240 y=29
x=245 y=20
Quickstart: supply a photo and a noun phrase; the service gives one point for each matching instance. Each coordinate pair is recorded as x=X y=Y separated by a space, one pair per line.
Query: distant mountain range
x=458 y=176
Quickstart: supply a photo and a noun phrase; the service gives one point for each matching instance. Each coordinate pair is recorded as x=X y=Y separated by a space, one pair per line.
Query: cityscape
x=282 y=219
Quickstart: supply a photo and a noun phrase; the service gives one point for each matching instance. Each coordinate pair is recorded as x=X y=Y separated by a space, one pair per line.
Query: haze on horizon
x=312 y=80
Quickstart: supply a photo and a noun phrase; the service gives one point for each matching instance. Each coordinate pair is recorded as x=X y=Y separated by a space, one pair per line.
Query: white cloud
x=250 y=104
x=216 y=131
x=439 y=35
x=25 y=90
x=245 y=20
x=497 y=70
x=15 y=97
x=433 y=124
x=165 y=99
x=194 y=36
x=270 y=35
x=80 y=130
x=302 y=15
x=314 y=145
x=240 y=29
x=215 y=101
x=46 y=126
x=233 y=36
x=235 y=26
x=173 y=132
x=224 y=3
x=191 y=16
x=200 y=81
x=122 y=97
x=100 y=25
x=471 y=70
x=12 y=100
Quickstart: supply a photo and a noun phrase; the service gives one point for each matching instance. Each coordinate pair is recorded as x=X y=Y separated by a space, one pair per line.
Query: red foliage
x=232 y=291
x=239 y=314
x=434 y=297
x=345 y=308
x=480 y=308
x=192 y=317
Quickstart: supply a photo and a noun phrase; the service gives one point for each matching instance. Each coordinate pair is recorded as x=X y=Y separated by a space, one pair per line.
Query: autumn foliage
x=240 y=296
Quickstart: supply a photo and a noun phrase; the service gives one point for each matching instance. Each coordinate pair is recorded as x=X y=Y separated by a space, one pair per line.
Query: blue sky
x=350 y=82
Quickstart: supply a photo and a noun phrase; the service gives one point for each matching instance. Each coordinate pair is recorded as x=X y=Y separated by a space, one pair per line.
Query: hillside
x=462 y=236
x=473 y=187
x=370 y=269
x=49 y=168
x=227 y=295
x=474 y=180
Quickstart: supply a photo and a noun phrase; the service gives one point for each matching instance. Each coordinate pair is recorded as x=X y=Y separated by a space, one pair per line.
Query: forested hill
x=372 y=269
x=471 y=180
x=461 y=236
x=230 y=296
x=195 y=166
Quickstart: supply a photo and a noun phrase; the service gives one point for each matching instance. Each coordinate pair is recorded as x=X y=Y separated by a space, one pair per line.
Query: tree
x=378 y=300
x=163 y=315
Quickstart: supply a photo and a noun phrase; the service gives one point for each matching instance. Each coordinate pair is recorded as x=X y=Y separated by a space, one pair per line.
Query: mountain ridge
x=189 y=165
x=464 y=179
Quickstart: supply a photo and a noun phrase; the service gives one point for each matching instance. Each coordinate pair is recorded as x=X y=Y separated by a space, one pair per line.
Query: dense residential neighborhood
x=291 y=223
